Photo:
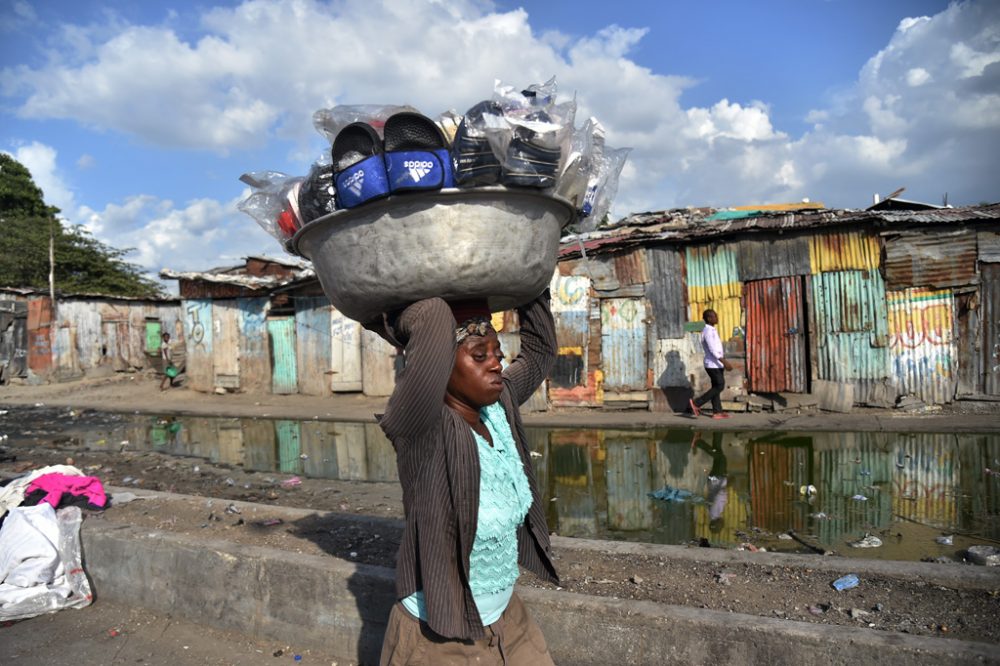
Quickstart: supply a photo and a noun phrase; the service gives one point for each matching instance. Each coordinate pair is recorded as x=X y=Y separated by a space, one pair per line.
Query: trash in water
x=670 y=494
x=785 y=536
x=845 y=582
x=807 y=490
x=819 y=515
x=292 y=482
x=869 y=541
x=860 y=498
x=946 y=540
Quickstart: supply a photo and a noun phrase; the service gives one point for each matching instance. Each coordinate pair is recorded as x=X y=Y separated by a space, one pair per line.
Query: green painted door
x=284 y=374
x=153 y=337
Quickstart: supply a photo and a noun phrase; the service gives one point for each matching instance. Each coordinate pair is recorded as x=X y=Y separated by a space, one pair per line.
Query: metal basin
x=492 y=242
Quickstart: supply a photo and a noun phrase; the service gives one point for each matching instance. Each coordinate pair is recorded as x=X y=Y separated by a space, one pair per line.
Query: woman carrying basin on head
x=473 y=511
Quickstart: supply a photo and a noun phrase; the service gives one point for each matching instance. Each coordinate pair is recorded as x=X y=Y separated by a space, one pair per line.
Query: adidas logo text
x=418 y=168
x=355 y=182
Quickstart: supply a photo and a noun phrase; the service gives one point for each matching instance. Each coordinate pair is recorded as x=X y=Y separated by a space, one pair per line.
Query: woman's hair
x=478 y=325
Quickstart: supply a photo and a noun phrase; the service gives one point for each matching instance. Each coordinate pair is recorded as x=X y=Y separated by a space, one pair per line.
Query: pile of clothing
x=519 y=138
x=41 y=569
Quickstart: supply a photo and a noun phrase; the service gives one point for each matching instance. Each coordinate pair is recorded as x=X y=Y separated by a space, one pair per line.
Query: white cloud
x=202 y=234
x=86 y=161
x=924 y=108
x=917 y=76
x=40 y=160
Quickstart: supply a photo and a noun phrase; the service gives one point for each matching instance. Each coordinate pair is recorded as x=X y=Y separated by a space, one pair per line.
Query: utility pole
x=52 y=269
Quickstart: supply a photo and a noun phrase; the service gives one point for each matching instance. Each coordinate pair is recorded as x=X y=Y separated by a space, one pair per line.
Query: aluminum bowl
x=492 y=242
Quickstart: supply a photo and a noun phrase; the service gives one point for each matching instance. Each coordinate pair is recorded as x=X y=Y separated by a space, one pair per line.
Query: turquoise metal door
x=284 y=376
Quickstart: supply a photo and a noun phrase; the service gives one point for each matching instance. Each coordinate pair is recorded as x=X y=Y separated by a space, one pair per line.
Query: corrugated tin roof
x=690 y=225
x=240 y=280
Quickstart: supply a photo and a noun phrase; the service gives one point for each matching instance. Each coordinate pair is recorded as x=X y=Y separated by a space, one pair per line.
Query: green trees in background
x=83 y=264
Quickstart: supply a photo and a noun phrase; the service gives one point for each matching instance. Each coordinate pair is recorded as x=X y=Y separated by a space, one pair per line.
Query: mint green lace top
x=504 y=500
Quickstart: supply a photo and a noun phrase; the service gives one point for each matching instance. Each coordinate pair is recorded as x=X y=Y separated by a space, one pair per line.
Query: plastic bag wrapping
x=534 y=136
x=68 y=586
x=605 y=187
x=330 y=121
x=274 y=203
x=590 y=178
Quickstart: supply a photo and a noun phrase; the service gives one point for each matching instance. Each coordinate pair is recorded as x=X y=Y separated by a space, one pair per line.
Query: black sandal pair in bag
x=528 y=163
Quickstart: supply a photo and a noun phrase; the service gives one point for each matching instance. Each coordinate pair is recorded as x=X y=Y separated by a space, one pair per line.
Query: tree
x=83 y=264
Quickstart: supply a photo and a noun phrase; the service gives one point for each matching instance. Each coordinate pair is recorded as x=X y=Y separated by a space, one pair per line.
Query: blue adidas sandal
x=416 y=154
x=358 y=168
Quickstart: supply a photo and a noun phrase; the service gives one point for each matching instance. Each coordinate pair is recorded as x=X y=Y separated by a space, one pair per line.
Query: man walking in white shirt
x=715 y=365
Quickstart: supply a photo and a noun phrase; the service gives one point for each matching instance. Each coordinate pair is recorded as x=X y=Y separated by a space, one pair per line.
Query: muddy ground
x=37 y=436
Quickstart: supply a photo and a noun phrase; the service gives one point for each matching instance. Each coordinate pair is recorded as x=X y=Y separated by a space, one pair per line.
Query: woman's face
x=476 y=380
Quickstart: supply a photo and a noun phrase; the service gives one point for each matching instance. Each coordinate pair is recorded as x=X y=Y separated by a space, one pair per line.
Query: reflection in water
x=826 y=488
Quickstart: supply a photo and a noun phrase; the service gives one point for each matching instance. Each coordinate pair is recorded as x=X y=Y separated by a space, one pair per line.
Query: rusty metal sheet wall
x=40 y=336
x=665 y=291
x=843 y=251
x=631 y=268
x=226 y=343
x=712 y=273
x=991 y=328
x=988 y=243
x=378 y=365
x=922 y=343
x=730 y=311
x=713 y=282
x=78 y=349
x=312 y=339
x=255 y=357
x=770 y=258
x=776 y=349
x=623 y=344
x=137 y=355
x=939 y=259
x=850 y=331
x=851 y=302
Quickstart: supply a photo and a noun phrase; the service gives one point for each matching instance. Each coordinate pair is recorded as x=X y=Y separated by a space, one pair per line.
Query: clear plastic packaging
x=535 y=136
x=590 y=177
x=274 y=203
x=329 y=122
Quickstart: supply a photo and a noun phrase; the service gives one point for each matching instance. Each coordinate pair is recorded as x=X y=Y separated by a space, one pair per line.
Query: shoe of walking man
x=715 y=365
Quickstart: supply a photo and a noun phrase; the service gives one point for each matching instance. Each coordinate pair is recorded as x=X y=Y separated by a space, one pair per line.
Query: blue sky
x=137 y=119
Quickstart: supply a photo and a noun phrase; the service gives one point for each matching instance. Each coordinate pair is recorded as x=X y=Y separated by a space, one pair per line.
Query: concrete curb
x=342 y=607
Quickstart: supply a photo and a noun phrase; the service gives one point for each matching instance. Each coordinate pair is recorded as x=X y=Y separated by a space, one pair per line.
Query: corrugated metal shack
x=266 y=327
x=848 y=307
x=82 y=335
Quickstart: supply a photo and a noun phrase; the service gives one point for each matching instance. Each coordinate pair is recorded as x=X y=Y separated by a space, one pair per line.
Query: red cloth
x=467 y=309
x=56 y=484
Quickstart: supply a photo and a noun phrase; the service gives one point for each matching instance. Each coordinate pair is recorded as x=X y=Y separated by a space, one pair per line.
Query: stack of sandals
x=414 y=156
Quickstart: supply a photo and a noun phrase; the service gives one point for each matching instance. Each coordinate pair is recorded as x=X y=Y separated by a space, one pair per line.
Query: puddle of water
x=824 y=490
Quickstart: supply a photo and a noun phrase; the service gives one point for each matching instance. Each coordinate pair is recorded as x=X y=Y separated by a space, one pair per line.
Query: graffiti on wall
x=922 y=340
